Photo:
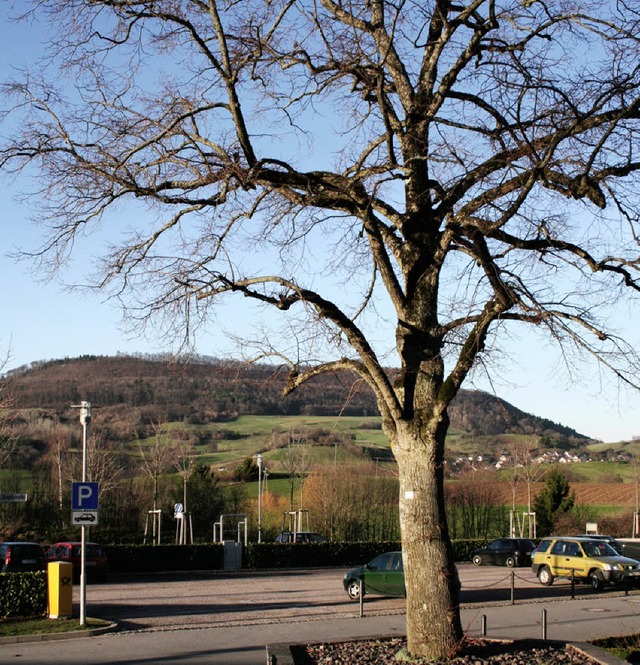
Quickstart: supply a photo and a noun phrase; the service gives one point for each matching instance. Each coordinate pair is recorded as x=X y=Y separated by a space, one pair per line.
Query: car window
x=598 y=548
x=382 y=562
x=396 y=562
x=559 y=547
x=315 y=538
x=543 y=546
x=27 y=550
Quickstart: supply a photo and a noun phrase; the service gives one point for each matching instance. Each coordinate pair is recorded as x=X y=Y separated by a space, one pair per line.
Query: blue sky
x=47 y=321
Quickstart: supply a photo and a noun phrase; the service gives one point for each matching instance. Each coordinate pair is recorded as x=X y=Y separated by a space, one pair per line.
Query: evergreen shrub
x=23 y=594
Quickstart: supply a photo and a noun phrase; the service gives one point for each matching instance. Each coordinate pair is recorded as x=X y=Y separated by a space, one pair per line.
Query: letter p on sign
x=84 y=496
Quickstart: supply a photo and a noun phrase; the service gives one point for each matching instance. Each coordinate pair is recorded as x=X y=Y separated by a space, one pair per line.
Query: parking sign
x=84 y=496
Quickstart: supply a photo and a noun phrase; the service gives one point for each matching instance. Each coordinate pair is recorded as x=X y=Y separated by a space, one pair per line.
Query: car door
x=495 y=551
x=576 y=561
x=394 y=577
x=568 y=559
x=375 y=574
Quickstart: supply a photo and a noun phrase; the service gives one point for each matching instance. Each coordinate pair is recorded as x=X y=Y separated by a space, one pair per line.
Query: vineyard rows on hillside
x=587 y=494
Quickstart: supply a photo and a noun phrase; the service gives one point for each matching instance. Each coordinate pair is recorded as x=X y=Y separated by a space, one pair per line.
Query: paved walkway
x=567 y=620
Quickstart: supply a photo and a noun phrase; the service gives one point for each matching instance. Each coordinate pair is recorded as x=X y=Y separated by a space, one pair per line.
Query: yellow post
x=60 y=574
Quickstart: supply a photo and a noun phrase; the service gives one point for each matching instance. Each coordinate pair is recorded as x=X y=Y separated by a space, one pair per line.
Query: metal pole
x=85 y=418
x=483 y=625
x=361 y=596
x=259 y=498
x=183 y=521
x=513 y=586
x=573 y=585
x=544 y=624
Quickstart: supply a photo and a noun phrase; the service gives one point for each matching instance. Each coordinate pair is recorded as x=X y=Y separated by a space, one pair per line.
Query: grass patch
x=626 y=647
x=38 y=625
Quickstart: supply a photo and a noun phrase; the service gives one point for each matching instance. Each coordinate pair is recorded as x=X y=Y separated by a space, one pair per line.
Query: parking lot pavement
x=228 y=620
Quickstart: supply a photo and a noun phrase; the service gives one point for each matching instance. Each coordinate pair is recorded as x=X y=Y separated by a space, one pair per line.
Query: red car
x=96 y=564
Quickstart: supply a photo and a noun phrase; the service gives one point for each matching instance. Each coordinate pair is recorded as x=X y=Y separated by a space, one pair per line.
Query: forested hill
x=206 y=389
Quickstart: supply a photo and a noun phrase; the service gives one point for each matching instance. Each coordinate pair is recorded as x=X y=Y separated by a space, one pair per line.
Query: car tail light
x=7 y=557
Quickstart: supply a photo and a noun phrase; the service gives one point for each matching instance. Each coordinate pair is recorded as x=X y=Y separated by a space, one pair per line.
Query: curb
x=280 y=654
x=47 y=637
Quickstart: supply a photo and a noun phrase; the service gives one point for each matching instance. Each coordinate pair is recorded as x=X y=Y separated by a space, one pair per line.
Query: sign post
x=84 y=510
x=85 y=496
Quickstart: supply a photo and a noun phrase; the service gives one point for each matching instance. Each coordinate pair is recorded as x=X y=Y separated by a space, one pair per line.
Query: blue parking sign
x=84 y=496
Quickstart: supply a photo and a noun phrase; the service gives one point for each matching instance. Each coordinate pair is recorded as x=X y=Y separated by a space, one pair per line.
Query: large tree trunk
x=434 y=629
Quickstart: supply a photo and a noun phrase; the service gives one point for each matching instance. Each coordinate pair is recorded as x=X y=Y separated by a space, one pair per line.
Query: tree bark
x=433 y=618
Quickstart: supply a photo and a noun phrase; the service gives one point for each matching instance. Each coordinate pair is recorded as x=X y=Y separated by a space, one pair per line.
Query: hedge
x=23 y=594
x=163 y=558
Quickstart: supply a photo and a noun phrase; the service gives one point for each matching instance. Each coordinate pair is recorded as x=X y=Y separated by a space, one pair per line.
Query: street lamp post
x=259 y=498
x=85 y=419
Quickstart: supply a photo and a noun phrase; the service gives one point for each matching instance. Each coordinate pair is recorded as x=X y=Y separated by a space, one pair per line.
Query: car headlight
x=611 y=566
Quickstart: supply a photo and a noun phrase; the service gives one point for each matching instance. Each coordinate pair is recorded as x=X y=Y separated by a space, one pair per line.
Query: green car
x=384 y=575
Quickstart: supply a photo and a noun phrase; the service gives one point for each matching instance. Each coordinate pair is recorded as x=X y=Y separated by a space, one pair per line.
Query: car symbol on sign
x=85 y=517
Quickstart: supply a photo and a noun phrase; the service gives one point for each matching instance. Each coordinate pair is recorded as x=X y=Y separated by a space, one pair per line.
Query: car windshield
x=598 y=548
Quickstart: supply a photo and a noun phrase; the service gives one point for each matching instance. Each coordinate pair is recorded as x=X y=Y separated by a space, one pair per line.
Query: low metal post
x=573 y=585
x=361 y=596
x=544 y=624
x=483 y=625
x=513 y=587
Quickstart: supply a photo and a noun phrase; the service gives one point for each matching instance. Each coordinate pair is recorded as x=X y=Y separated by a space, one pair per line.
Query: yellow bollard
x=60 y=576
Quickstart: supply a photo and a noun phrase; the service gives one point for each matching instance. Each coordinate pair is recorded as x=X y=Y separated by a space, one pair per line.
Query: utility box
x=60 y=576
x=232 y=555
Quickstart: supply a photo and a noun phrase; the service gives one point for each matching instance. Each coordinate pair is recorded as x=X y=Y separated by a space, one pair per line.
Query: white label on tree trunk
x=408 y=494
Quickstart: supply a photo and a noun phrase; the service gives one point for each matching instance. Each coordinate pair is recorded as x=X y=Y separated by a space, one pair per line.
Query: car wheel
x=511 y=562
x=597 y=580
x=353 y=589
x=545 y=576
x=477 y=559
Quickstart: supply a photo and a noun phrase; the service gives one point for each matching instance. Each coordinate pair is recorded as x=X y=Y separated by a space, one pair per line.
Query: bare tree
x=8 y=439
x=459 y=169
x=183 y=454
x=58 y=447
x=526 y=467
x=474 y=506
x=155 y=458
x=634 y=463
x=103 y=465
x=296 y=462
